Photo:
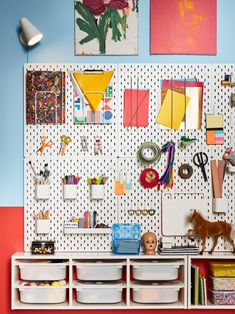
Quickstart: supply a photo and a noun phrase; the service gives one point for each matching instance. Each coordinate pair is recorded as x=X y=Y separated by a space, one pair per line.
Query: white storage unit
x=105 y=294
x=42 y=271
x=99 y=270
x=99 y=292
x=155 y=270
x=155 y=292
x=48 y=295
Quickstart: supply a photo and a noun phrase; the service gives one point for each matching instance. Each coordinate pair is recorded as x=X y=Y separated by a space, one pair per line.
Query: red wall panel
x=11 y=240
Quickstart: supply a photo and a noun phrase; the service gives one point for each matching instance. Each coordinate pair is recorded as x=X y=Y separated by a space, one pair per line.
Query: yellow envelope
x=173 y=109
x=93 y=85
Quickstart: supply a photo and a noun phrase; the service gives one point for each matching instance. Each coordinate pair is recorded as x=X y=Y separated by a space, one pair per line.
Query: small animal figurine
x=185 y=141
x=204 y=228
x=149 y=241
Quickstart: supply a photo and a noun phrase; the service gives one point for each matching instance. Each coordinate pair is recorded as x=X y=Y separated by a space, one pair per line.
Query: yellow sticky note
x=214 y=121
x=93 y=85
x=173 y=109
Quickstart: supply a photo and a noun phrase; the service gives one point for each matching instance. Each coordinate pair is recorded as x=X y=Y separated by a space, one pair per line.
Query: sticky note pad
x=214 y=129
x=173 y=109
x=214 y=121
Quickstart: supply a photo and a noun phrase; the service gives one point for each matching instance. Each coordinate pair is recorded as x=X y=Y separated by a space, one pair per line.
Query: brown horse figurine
x=205 y=228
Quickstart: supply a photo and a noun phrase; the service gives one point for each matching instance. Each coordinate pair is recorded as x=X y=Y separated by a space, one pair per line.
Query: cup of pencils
x=70 y=183
x=97 y=187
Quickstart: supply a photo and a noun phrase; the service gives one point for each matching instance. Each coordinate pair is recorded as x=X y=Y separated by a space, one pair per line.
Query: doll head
x=149 y=240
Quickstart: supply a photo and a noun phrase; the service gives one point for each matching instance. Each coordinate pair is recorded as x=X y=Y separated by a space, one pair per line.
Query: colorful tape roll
x=149 y=178
x=155 y=153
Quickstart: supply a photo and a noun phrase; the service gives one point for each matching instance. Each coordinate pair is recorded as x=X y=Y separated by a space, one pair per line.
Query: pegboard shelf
x=88 y=231
x=119 y=148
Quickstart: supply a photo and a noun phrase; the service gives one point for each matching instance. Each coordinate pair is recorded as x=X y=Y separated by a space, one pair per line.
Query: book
x=195 y=285
x=203 y=294
x=45 y=97
x=184 y=249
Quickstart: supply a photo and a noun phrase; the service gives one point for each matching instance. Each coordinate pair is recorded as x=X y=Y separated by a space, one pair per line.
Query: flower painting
x=106 y=27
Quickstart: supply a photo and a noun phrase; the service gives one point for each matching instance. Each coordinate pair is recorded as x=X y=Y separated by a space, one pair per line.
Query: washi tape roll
x=185 y=171
x=154 y=152
x=149 y=178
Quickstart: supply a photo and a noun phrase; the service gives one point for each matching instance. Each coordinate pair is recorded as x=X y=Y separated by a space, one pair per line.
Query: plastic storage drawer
x=155 y=292
x=99 y=292
x=222 y=269
x=222 y=297
x=42 y=271
x=222 y=283
x=155 y=270
x=99 y=270
x=42 y=294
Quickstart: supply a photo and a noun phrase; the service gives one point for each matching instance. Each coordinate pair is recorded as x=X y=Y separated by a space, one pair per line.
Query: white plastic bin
x=42 y=294
x=155 y=270
x=99 y=270
x=99 y=292
x=155 y=292
x=42 y=271
x=70 y=191
x=42 y=191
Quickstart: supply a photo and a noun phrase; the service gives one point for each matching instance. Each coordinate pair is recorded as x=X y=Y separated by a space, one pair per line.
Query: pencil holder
x=70 y=191
x=97 y=191
x=42 y=191
x=220 y=205
x=231 y=168
x=42 y=226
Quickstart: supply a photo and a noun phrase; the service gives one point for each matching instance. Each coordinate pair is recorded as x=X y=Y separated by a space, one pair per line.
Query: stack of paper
x=181 y=104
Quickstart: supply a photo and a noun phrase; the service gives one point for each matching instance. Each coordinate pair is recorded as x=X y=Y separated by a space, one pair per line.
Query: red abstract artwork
x=183 y=27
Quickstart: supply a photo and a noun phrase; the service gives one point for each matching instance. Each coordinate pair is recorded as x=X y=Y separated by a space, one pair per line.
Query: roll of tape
x=149 y=178
x=155 y=155
x=185 y=171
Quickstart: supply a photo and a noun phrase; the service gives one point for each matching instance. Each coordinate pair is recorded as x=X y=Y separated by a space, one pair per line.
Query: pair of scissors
x=200 y=160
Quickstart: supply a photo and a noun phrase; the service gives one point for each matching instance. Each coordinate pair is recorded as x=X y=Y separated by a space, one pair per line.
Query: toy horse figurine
x=205 y=228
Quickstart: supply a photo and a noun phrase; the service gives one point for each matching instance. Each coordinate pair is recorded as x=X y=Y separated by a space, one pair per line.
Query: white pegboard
x=119 y=154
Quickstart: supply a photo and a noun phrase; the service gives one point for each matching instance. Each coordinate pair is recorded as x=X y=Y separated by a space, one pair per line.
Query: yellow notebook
x=173 y=109
x=93 y=85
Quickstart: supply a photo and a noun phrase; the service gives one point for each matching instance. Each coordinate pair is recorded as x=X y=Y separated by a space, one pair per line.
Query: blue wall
x=55 y=18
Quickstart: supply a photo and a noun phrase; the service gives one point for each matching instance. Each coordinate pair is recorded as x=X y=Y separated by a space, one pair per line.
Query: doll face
x=149 y=241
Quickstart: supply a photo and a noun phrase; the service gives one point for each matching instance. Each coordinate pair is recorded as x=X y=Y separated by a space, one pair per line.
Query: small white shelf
x=88 y=231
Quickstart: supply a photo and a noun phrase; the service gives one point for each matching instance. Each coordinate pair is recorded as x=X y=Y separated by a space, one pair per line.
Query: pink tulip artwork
x=106 y=27
x=183 y=27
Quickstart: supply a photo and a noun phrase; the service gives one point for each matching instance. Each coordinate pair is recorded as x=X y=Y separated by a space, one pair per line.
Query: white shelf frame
x=72 y=304
x=219 y=256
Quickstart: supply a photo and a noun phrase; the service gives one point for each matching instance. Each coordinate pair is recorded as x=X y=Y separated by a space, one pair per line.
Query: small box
x=97 y=191
x=70 y=191
x=42 y=226
x=222 y=297
x=42 y=191
x=99 y=292
x=43 y=247
x=224 y=284
x=222 y=269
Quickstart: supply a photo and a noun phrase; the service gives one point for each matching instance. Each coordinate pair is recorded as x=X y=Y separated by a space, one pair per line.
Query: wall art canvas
x=183 y=27
x=106 y=27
